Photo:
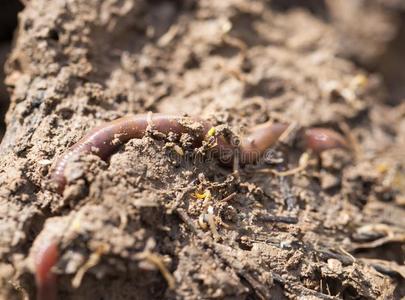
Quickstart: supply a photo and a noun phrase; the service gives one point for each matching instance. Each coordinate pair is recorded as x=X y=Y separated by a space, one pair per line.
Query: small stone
x=335 y=266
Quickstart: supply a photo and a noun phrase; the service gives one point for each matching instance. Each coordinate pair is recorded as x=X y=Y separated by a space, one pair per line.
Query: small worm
x=46 y=280
x=106 y=139
x=321 y=139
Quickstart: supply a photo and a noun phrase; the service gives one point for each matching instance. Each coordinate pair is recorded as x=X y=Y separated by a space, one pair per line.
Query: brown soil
x=137 y=226
x=8 y=23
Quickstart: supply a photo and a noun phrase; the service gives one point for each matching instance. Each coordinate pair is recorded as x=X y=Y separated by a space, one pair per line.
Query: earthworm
x=45 y=279
x=106 y=139
x=321 y=139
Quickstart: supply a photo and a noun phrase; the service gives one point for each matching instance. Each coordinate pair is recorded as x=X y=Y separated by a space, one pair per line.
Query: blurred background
x=372 y=34
x=8 y=22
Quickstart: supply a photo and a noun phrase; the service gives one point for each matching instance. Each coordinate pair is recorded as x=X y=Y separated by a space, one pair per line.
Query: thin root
x=157 y=261
x=93 y=260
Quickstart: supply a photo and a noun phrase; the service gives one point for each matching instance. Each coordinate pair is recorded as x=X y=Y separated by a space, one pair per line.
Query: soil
x=151 y=223
x=8 y=23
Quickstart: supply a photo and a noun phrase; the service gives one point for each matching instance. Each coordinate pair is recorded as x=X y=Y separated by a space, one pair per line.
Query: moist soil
x=163 y=220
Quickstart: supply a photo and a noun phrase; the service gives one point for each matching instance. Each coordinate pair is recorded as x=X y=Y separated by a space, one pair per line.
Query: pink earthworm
x=45 y=279
x=106 y=139
x=319 y=139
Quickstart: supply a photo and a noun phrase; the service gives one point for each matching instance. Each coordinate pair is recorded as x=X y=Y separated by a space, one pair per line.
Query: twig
x=180 y=196
x=261 y=290
x=288 y=134
x=347 y=253
x=377 y=243
x=301 y=290
x=344 y=259
x=386 y=267
x=279 y=219
x=187 y=220
x=165 y=39
x=229 y=197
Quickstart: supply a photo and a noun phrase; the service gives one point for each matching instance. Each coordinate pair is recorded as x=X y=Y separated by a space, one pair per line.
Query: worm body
x=259 y=140
x=45 y=279
x=321 y=139
x=106 y=139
